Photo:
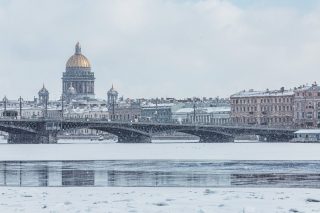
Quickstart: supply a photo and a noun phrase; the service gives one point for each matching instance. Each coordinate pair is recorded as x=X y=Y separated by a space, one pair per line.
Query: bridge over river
x=46 y=130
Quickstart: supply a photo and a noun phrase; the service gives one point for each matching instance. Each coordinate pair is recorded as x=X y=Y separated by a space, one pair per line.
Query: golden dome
x=78 y=60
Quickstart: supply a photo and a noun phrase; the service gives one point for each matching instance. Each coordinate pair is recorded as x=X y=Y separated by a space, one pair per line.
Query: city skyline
x=161 y=48
x=159 y=106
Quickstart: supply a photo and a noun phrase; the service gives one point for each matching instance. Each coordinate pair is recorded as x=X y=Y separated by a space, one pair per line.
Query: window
x=310 y=105
x=309 y=115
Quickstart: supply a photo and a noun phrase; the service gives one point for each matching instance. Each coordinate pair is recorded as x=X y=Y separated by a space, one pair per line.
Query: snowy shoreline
x=160 y=151
x=153 y=199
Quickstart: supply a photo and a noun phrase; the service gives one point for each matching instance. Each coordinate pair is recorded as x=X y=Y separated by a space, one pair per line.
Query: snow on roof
x=314 y=87
x=217 y=109
x=162 y=105
x=184 y=110
x=23 y=108
x=87 y=110
x=252 y=93
x=205 y=109
x=308 y=131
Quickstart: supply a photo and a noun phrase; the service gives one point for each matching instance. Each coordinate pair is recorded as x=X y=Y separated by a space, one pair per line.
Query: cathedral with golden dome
x=78 y=77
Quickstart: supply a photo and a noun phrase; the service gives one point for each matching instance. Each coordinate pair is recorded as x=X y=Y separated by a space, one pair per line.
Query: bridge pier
x=276 y=138
x=26 y=138
x=134 y=139
x=214 y=138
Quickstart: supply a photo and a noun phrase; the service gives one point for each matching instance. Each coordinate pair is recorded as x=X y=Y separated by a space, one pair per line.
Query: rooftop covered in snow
x=253 y=93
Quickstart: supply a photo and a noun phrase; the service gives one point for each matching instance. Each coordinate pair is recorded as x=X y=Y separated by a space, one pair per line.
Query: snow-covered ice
x=159 y=199
x=148 y=200
x=191 y=151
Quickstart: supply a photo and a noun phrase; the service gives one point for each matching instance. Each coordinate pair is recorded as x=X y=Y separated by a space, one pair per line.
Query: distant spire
x=78 y=48
x=112 y=86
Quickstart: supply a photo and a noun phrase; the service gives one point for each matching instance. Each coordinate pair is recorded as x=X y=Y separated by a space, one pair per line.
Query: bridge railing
x=96 y=120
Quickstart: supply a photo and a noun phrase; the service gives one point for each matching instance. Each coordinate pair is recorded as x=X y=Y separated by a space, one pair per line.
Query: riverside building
x=307 y=106
x=203 y=115
x=273 y=108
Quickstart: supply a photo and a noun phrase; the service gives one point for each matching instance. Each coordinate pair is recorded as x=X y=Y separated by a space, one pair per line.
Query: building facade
x=78 y=77
x=272 y=108
x=28 y=112
x=161 y=113
x=130 y=113
x=203 y=115
x=307 y=106
x=96 y=113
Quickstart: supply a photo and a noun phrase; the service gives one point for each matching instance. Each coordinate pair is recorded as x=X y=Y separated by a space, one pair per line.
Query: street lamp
x=5 y=101
x=194 y=111
x=46 y=107
x=62 y=106
x=62 y=109
x=156 y=112
x=20 y=106
x=113 y=103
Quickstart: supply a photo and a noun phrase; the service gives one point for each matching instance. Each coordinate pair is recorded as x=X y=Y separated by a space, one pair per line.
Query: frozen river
x=161 y=173
x=161 y=164
x=160 y=151
x=160 y=177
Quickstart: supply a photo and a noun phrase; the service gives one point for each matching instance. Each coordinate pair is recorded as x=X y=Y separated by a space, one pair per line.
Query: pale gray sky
x=164 y=48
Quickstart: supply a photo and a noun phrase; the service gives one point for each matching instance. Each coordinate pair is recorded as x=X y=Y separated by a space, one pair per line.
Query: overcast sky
x=160 y=48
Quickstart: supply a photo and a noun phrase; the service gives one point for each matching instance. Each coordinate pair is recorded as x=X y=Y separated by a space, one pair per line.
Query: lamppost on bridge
x=113 y=103
x=5 y=101
x=46 y=107
x=62 y=105
x=194 y=110
x=62 y=110
x=156 y=112
x=20 y=106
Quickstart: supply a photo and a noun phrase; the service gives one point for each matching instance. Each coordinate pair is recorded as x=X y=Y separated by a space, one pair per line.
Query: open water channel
x=161 y=173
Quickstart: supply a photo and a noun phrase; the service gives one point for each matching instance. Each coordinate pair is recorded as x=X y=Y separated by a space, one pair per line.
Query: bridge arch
x=205 y=135
x=126 y=135
x=16 y=129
